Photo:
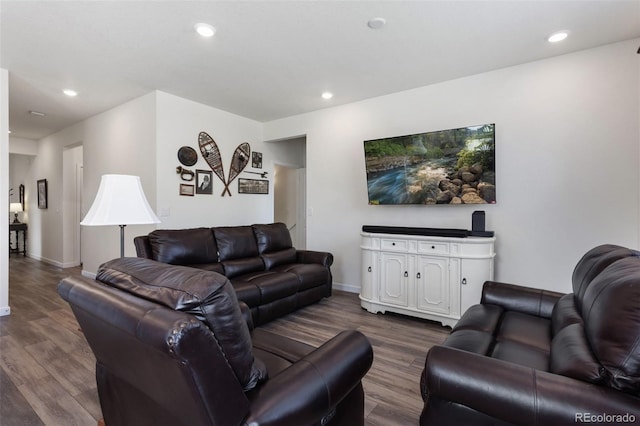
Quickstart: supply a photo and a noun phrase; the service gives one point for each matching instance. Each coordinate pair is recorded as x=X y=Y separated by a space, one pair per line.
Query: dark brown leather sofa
x=173 y=347
x=266 y=271
x=532 y=357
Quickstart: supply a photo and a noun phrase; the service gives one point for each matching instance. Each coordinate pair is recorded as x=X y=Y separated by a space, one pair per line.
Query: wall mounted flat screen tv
x=455 y=166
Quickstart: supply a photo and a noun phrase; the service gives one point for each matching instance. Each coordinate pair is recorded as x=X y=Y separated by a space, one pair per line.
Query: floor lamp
x=120 y=201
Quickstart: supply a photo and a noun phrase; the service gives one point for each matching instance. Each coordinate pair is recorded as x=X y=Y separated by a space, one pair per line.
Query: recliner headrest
x=592 y=264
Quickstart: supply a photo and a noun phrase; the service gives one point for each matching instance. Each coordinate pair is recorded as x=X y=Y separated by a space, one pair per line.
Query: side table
x=18 y=228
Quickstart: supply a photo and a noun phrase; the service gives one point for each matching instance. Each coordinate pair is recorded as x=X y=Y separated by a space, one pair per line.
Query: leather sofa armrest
x=246 y=314
x=309 y=390
x=517 y=394
x=309 y=256
x=528 y=300
x=143 y=247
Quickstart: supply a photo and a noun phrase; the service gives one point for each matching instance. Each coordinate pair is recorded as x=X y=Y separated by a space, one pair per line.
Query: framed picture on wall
x=203 y=182
x=42 y=193
x=256 y=160
x=253 y=186
x=187 y=190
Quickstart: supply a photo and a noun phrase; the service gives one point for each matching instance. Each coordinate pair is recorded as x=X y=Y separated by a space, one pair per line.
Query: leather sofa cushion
x=571 y=356
x=235 y=242
x=183 y=246
x=480 y=317
x=518 y=353
x=525 y=329
x=592 y=264
x=274 y=244
x=564 y=314
x=206 y=295
x=309 y=274
x=475 y=341
x=235 y=267
x=272 y=286
x=611 y=315
x=277 y=258
x=213 y=267
x=272 y=237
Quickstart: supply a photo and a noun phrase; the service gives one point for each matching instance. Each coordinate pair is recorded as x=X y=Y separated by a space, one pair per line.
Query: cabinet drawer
x=394 y=245
x=426 y=247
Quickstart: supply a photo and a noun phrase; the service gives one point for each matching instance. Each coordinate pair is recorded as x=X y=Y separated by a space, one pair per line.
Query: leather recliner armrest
x=528 y=300
x=309 y=256
x=246 y=314
x=310 y=389
x=518 y=394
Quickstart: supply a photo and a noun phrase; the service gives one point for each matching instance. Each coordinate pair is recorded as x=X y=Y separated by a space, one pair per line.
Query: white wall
x=179 y=121
x=567 y=154
x=140 y=137
x=121 y=141
x=4 y=183
x=22 y=146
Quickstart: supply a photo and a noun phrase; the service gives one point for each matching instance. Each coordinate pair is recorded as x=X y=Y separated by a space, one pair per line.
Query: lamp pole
x=122 y=240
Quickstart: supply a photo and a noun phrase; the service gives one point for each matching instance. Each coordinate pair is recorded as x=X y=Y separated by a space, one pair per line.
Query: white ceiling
x=270 y=59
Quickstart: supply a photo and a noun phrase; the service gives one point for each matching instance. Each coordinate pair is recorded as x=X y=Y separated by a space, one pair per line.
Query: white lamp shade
x=15 y=207
x=120 y=201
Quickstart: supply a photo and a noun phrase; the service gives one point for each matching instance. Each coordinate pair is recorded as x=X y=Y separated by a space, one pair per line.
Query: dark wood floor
x=47 y=369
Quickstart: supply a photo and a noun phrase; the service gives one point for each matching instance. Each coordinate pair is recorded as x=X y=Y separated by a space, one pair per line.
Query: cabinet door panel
x=394 y=278
x=432 y=280
x=369 y=275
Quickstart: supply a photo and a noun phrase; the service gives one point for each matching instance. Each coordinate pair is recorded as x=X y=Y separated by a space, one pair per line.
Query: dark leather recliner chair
x=532 y=357
x=173 y=347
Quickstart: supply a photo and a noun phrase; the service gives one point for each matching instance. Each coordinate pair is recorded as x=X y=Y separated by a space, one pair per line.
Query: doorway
x=289 y=201
x=290 y=187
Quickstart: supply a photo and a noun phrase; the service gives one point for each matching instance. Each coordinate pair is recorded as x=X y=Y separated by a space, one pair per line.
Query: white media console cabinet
x=431 y=277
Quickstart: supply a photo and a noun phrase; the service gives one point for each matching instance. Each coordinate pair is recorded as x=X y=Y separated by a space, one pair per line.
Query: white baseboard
x=5 y=310
x=45 y=260
x=346 y=287
x=88 y=274
x=62 y=265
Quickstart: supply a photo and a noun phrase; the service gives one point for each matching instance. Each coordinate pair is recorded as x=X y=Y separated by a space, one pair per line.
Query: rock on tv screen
x=455 y=166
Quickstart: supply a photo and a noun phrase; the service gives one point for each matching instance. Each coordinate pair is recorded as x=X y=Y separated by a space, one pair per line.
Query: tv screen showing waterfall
x=455 y=166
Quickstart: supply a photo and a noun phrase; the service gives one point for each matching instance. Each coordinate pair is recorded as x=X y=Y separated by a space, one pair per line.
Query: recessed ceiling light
x=327 y=95
x=559 y=36
x=205 y=30
x=70 y=93
x=37 y=113
x=9 y=131
x=376 y=23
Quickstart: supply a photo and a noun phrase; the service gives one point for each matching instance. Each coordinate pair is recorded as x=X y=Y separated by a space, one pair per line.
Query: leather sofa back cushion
x=274 y=244
x=564 y=313
x=235 y=242
x=592 y=264
x=611 y=315
x=272 y=237
x=206 y=295
x=183 y=246
x=571 y=356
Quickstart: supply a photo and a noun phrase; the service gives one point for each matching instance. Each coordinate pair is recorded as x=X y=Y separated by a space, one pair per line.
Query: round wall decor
x=187 y=156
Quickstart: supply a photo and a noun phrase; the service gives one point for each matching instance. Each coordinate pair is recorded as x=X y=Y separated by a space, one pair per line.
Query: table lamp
x=15 y=208
x=120 y=201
